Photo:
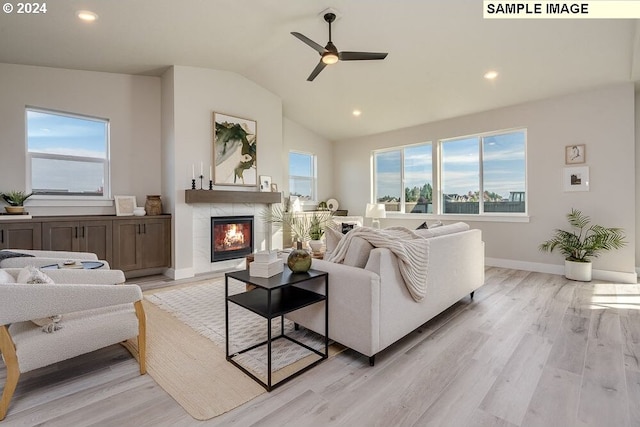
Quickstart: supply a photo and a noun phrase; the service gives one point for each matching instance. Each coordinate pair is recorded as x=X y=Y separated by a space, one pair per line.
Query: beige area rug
x=192 y=368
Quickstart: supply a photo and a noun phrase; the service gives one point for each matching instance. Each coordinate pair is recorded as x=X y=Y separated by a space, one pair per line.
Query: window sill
x=48 y=201
x=466 y=218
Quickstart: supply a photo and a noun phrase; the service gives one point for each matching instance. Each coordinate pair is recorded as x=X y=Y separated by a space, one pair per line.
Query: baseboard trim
x=183 y=273
x=613 y=276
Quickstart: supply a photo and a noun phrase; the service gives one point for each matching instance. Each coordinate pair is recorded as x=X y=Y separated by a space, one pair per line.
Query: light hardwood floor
x=532 y=349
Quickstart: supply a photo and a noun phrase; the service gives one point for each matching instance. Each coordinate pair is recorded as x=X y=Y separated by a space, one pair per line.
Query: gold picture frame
x=575 y=154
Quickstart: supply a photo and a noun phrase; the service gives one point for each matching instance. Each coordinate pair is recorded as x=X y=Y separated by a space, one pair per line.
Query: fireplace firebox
x=231 y=237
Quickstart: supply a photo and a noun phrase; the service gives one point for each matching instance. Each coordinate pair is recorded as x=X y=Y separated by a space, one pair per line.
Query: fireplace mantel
x=221 y=196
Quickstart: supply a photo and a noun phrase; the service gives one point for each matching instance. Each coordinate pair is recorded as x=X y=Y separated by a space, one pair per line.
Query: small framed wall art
x=575 y=154
x=124 y=205
x=576 y=178
x=265 y=183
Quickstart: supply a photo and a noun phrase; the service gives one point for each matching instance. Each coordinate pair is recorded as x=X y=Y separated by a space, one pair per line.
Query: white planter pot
x=315 y=245
x=580 y=271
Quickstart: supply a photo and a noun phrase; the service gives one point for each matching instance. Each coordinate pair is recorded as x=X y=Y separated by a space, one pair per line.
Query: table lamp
x=375 y=211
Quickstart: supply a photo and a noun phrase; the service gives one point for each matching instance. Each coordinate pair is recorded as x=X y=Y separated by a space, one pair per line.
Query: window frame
x=313 y=179
x=437 y=198
x=70 y=199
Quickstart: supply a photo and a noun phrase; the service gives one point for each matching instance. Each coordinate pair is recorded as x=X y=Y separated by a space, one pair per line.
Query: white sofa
x=370 y=308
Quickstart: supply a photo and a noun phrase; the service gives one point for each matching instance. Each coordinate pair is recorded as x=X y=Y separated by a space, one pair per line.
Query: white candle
x=193 y=171
x=201 y=166
x=210 y=172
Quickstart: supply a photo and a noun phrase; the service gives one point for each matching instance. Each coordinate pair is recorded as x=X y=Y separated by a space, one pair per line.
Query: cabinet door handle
x=83 y=229
x=1 y=236
x=145 y=228
x=76 y=230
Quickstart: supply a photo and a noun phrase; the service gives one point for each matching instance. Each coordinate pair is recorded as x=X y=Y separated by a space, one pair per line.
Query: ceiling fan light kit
x=330 y=54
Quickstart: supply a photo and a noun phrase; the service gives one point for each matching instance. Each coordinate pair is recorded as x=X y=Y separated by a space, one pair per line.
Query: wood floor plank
x=633 y=395
x=555 y=401
x=570 y=344
x=511 y=393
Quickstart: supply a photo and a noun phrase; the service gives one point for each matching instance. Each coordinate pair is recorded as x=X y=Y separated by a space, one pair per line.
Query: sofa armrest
x=21 y=302
x=354 y=306
x=79 y=276
x=20 y=262
x=85 y=256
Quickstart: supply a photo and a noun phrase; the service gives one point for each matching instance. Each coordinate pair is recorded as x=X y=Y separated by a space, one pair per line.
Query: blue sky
x=64 y=135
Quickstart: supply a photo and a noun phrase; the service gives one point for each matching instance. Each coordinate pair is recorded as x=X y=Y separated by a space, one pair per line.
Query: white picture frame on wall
x=576 y=178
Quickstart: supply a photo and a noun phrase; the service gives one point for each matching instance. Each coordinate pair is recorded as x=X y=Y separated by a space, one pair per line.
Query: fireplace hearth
x=231 y=237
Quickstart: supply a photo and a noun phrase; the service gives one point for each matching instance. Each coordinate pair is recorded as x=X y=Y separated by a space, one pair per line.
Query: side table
x=274 y=297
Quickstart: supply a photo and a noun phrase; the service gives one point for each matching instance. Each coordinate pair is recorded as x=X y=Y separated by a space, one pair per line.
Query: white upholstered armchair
x=93 y=316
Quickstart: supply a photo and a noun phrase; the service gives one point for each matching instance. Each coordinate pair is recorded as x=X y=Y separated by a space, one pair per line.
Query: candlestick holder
x=210 y=184
x=193 y=184
x=201 y=177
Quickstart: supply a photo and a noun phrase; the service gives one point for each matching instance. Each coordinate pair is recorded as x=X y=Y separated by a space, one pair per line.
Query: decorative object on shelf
x=299 y=260
x=234 y=150
x=575 y=154
x=193 y=183
x=265 y=264
x=139 y=211
x=265 y=183
x=576 y=178
x=153 y=205
x=332 y=204
x=299 y=223
x=210 y=185
x=274 y=188
x=124 y=205
x=581 y=243
x=322 y=206
x=15 y=199
x=375 y=211
x=316 y=231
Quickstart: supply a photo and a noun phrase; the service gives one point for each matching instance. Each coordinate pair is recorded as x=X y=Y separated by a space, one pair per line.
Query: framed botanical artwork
x=575 y=154
x=265 y=183
x=234 y=150
x=124 y=205
x=576 y=178
x=274 y=188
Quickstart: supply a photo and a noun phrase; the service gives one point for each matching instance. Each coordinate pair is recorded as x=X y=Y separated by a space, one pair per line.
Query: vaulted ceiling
x=438 y=53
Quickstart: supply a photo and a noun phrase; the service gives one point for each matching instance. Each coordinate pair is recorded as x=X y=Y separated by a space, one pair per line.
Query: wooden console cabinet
x=136 y=245
x=79 y=236
x=20 y=235
x=141 y=244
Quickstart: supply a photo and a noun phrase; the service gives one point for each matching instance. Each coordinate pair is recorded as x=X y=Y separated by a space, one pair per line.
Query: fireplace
x=231 y=237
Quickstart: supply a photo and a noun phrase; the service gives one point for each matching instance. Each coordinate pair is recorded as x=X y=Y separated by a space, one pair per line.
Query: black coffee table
x=274 y=297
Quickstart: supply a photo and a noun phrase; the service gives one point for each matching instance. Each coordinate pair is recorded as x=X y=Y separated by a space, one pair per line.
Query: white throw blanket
x=407 y=246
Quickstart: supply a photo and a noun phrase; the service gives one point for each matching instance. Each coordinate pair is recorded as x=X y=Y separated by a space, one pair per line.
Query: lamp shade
x=375 y=210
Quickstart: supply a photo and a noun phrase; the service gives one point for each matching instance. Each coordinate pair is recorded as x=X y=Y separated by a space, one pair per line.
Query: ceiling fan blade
x=360 y=56
x=309 y=42
x=316 y=71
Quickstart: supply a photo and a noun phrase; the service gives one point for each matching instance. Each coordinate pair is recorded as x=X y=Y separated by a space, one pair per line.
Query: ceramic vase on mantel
x=299 y=260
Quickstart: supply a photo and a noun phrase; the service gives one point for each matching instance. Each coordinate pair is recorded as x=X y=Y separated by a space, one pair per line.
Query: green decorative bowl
x=299 y=261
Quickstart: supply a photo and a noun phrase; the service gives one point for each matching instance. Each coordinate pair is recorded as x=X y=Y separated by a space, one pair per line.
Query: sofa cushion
x=331 y=238
x=443 y=230
x=31 y=275
x=6 y=277
x=358 y=253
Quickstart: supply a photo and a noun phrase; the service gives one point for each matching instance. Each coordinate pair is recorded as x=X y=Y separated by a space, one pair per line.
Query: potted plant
x=303 y=227
x=316 y=231
x=15 y=199
x=582 y=243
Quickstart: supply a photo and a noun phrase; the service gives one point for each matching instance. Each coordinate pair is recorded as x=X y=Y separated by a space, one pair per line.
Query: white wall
x=603 y=119
x=299 y=138
x=131 y=103
x=197 y=93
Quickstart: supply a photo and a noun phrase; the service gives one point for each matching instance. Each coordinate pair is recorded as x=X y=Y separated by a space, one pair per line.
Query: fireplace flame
x=233 y=237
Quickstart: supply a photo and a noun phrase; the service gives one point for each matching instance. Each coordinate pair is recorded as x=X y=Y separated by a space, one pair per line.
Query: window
x=302 y=175
x=493 y=166
x=410 y=165
x=67 y=154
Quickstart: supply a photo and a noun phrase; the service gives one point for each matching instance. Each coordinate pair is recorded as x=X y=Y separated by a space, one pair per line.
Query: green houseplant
x=582 y=243
x=303 y=227
x=15 y=199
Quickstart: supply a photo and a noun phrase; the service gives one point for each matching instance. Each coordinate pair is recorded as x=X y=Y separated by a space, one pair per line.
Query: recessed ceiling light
x=87 y=15
x=356 y=113
x=490 y=75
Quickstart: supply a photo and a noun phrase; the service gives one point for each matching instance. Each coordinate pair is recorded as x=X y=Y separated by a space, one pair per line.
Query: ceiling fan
x=330 y=55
